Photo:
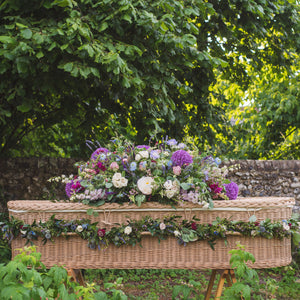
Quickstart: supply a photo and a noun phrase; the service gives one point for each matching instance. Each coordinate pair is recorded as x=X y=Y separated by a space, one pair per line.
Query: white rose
x=117 y=176
x=118 y=180
x=176 y=185
x=177 y=233
x=123 y=181
x=286 y=226
x=79 y=228
x=168 y=184
x=117 y=184
x=205 y=205
x=138 y=157
x=23 y=232
x=171 y=193
x=144 y=154
x=127 y=230
x=145 y=185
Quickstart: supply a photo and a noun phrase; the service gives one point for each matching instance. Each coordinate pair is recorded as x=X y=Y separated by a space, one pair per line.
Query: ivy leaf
x=26 y=34
x=90 y=211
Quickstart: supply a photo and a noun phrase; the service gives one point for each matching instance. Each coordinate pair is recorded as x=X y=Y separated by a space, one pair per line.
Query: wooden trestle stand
x=227 y=274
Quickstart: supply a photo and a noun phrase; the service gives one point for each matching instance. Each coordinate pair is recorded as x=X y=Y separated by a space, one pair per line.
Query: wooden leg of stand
x=227 y=275
x=223 y=276
x=232 y=276
x=211 y=284
x=76 y=275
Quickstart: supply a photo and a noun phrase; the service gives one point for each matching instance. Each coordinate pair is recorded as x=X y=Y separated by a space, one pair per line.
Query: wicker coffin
x=74 y=253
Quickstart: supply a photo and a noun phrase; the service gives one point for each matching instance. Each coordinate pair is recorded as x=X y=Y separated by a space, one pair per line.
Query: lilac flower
x=232 y=190
x=181 y=157
x=172 y=142
x=98 y=151
x=154 y=154
x=181 y=145
x=68 y=188
x=143 y=146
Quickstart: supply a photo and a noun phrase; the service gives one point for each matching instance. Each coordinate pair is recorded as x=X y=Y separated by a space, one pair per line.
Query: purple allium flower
x=68 y=188
x=98 y=151
x=142 y=146
x=181 y=157
x=232 y=190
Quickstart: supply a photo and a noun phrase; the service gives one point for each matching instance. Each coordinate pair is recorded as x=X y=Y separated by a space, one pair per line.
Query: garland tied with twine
x=132 y=232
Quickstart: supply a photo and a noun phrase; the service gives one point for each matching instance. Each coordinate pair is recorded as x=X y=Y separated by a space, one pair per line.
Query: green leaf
x=140 y=199
x=25 y=107
x=127 y=18
x=47 y=280
x=185 y=185
x=63 y=3
x=164 y=27
x=6 y=39
x=103 y=26
x=40 y=54
x=108 y=185
x=90 y=211
x=38 y=38
x=26 y=34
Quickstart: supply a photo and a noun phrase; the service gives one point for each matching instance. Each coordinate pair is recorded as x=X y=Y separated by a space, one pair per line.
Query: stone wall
x=26 y=178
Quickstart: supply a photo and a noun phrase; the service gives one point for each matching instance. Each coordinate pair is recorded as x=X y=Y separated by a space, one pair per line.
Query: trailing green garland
x=131 y=233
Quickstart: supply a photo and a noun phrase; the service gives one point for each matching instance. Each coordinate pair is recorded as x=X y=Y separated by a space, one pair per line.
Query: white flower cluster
x=89 y=194
x=119 y=181
x=172 y=188
x=142 y=154
x=62 y=178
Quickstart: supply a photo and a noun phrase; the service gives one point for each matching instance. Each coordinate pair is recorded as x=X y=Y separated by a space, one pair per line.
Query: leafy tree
x=266 y=123
x=86 y=69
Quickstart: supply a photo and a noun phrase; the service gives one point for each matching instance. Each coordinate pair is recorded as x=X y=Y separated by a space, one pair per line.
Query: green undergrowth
x=275 y=283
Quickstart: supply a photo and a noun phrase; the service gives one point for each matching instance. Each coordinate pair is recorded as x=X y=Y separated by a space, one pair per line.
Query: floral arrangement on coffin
x=167 y=172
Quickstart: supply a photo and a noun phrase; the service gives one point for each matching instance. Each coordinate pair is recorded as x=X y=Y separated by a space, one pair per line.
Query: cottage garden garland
x=131 y=233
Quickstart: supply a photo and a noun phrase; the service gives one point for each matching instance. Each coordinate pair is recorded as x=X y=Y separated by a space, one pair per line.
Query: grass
x=278 y=283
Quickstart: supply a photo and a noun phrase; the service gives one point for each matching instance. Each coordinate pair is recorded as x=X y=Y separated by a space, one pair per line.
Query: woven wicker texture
x=74 y=252
x=167 y=254
x=274 y=208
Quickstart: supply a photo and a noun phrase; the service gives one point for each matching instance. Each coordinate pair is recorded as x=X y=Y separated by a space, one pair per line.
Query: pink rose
x=177 y=170
x=101 y=232
x=114 y=166
x=162 y=226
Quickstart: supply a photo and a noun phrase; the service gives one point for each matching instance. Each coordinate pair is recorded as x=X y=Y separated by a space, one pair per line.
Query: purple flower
x=98 y=151
x=68 y=188
x=172 y=142
x=181 y=157
x=154 y=154
x=232 y=190
x=142 y=146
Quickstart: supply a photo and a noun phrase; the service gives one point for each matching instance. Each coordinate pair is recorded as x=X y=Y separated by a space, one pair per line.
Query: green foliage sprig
x=131 y=233
x=26 y=278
